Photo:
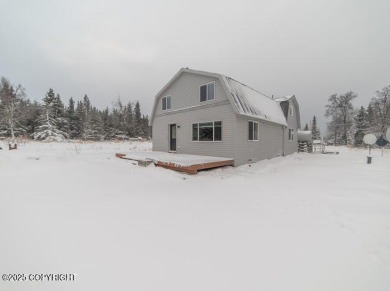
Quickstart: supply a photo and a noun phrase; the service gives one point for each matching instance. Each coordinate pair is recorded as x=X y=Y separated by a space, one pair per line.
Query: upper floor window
x=166 y=103
x=290 y=134
x=207 y=92
x=291 y=110
x=253 y=130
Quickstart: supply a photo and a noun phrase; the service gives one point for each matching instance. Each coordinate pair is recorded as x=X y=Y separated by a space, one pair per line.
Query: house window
x=253 y=130
x=207 y=131
x=291 y=110
x=207 y=92
x=290 y=134
x=166 y=103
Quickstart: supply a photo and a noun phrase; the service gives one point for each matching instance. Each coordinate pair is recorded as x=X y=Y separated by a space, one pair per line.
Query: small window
x=291 y=110
x=207 y=131
x=195 y=131
x=217 y=131
x=166 y=103
x=253 y=130
x=290 y=134
x=207 y=92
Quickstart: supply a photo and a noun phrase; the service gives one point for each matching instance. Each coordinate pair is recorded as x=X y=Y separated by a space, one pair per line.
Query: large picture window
x=253 y=130
x=166 y=103
x=207 y=131
x=207 y=92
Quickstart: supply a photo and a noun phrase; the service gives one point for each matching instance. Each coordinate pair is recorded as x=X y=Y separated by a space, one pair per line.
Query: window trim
x=192 y=135
x=291 y=110
x=166 y=103
x=207 y=92
x=253 y=133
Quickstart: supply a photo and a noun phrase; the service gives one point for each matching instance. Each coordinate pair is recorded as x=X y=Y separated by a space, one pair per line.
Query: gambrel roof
x=244 y=99
x=250 y=102
x=285 y=103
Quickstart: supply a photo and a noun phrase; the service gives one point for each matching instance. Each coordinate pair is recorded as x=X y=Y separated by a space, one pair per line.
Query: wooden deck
x=190 y=164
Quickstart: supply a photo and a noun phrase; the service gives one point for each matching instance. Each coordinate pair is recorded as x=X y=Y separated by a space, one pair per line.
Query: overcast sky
x=132 y=48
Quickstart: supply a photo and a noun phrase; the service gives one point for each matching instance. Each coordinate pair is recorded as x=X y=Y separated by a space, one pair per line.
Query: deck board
x=190 y=164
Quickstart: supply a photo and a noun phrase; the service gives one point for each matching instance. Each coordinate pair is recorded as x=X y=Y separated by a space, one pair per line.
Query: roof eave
x=262 y=119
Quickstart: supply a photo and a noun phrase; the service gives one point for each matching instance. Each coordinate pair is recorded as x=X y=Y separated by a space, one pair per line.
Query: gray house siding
x=185 y=119
x=269 y=145
x=291 y=146
x=185 y=93
x=187 y=109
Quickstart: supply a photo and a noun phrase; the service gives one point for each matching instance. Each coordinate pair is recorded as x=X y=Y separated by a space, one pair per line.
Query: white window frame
x=207 y=92
x=253 y=133
x=192 y=128
x=291 y=110
x=291 y=134
x=166 y=102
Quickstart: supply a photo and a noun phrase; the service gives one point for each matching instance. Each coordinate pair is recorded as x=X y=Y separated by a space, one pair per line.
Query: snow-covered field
x=303 y=222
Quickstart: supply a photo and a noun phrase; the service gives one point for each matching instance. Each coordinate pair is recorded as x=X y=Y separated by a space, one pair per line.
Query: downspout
x=283 y=149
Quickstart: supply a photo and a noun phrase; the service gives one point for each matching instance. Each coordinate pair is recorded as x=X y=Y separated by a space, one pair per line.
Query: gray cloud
x=104 y=48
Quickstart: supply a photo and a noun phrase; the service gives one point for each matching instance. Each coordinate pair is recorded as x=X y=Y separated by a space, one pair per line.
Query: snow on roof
x=246 y=100
x=251 y=102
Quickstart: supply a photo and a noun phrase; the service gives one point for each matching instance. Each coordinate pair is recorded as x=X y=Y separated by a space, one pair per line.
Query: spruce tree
x=306 y=127
x=49 y=122
x=138 y=130
x=30 y=112
x=145 y=126
x=80 y=119
x=72 y=119
x=118 y=124
x=85 y=117
x=107 y=124
x=59 y=113
x=315 y=132
x=361 y=126
x=93 y=129
x=129 y=120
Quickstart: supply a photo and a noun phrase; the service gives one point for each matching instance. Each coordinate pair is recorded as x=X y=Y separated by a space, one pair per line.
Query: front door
x=172 y=137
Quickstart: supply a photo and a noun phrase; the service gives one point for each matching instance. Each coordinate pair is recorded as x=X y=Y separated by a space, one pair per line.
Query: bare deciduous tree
x=340 y=108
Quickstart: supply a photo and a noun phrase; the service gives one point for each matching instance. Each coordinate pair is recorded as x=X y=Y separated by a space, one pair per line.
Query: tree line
x=349 y=125
x=52 y=120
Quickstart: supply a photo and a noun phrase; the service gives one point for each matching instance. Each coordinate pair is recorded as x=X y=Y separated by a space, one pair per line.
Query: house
x=210 y=114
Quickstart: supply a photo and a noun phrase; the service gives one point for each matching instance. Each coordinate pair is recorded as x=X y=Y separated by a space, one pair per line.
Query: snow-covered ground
x=302 y=222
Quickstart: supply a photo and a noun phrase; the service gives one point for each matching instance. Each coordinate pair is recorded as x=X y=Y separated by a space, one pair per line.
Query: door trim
x=170 y=140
